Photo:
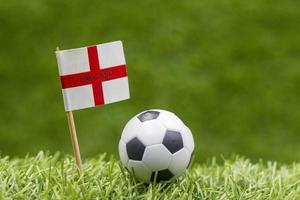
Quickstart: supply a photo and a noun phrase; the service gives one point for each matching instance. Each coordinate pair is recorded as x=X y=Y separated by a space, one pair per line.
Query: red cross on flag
x=92 y=76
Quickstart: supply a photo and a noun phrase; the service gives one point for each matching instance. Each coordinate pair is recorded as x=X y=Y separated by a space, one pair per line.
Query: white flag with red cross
x=92 y=76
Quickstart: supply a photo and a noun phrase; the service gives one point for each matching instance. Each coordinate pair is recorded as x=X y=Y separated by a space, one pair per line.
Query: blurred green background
x=229 y=69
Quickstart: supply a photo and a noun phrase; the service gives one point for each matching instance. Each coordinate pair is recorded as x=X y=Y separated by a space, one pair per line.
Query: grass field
x=47 y=176
x=229 y=69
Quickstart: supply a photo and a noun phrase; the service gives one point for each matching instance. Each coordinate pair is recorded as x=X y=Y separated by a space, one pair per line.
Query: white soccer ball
x=156 y=143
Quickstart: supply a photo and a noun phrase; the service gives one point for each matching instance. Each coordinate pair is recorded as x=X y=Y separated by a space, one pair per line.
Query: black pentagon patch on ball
x=162 y=175
x=173 y=141
x=148 y=115
x=135 y=149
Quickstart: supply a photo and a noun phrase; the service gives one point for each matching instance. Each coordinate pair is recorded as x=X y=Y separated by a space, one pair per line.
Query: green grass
x=47 y=176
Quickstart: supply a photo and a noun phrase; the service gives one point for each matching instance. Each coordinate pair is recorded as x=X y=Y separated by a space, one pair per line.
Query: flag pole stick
x=74 y=140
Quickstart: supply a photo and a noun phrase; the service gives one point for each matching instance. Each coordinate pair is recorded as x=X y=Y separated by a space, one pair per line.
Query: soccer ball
x=156 y=144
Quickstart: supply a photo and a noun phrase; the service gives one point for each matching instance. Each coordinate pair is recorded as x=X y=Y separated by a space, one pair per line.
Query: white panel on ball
x=139 y=170
x=187 y=137
x=131 y=130
x=152 y=132
x=180 y=161
x=170 y=120
x=123 y=152
x=157 y=157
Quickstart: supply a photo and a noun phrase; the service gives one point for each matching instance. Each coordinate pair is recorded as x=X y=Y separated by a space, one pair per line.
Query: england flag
x=92 y=76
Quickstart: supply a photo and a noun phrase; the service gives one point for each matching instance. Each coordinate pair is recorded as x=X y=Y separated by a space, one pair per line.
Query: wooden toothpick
x=74 y=140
